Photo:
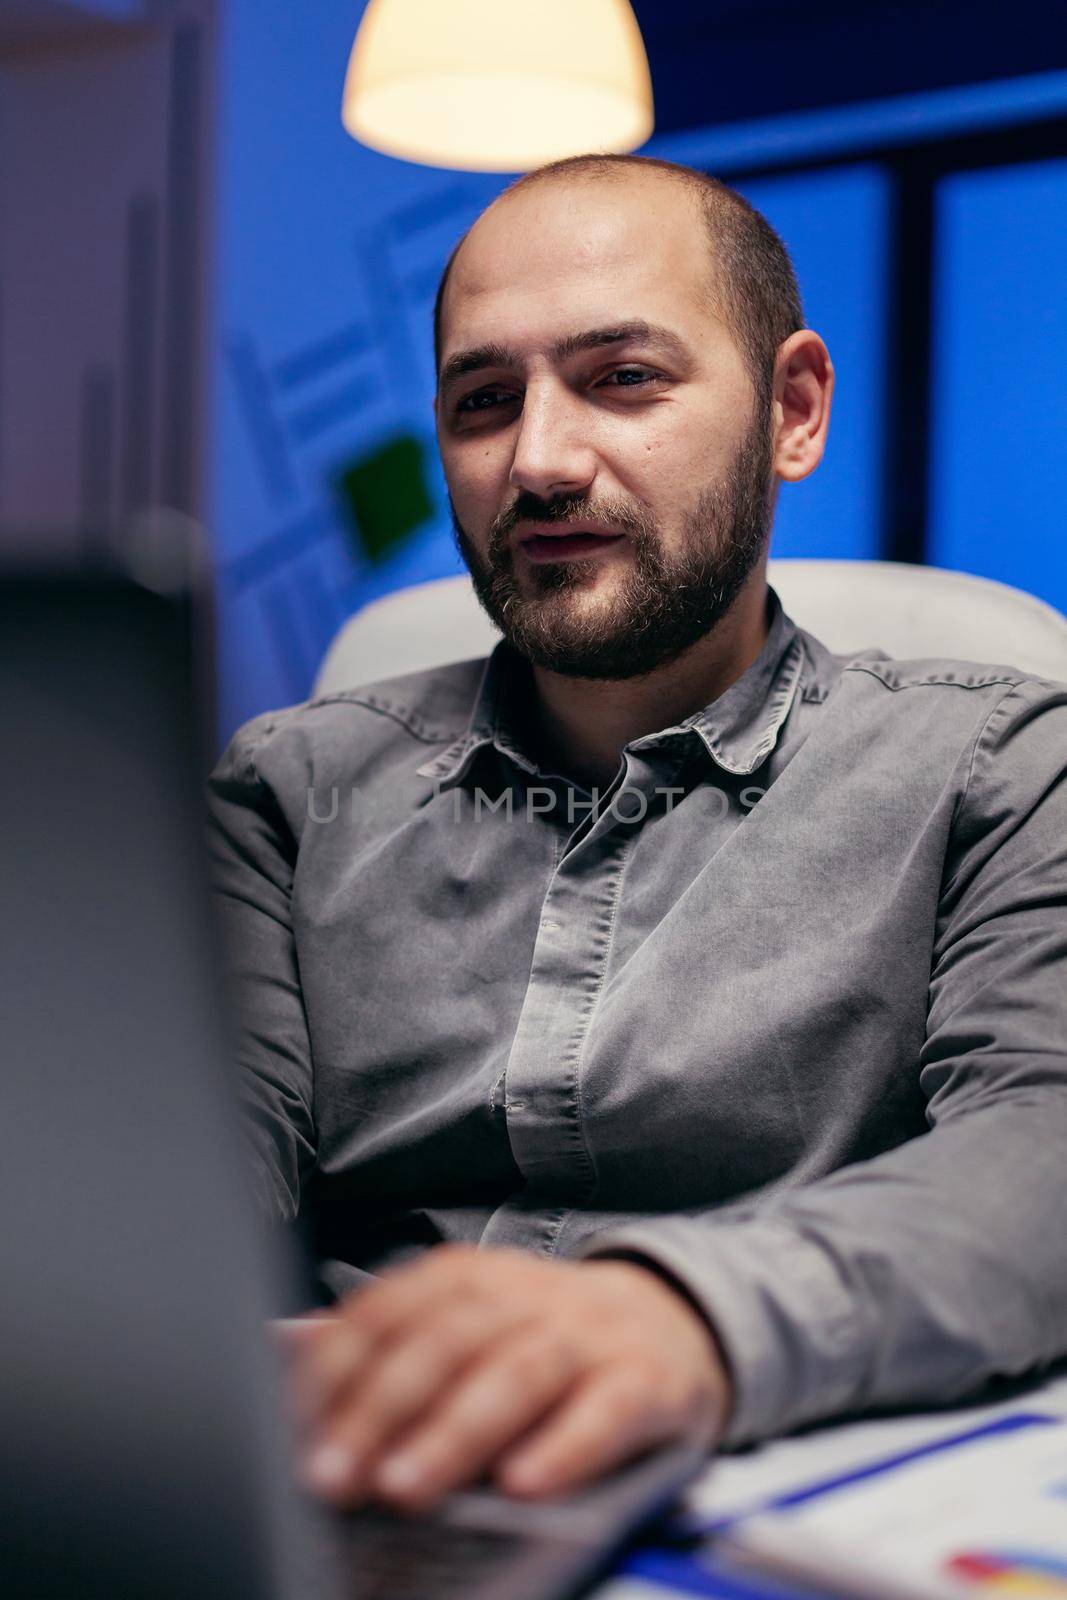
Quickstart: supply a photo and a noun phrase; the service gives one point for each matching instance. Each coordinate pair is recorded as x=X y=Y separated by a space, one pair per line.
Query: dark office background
x=212 y=298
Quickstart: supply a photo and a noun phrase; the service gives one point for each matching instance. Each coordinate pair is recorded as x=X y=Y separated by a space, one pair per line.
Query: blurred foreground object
x=497 y=88
x=141 y=1450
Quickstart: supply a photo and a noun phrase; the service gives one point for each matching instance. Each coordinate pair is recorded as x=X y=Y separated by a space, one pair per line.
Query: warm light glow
x=497 y=85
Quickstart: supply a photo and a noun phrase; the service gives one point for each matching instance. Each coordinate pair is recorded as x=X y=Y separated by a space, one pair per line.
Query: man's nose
x=553 y=453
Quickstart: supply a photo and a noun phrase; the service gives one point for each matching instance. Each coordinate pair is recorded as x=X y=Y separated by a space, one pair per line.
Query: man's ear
x=803 y=390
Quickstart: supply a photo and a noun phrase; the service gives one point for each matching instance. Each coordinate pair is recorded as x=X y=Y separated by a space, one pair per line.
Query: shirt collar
x=739 y=729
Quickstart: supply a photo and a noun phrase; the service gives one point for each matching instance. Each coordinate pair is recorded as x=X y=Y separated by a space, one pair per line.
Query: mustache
x=571 y=508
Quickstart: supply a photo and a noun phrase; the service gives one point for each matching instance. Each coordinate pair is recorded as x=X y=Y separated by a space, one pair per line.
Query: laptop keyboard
x=396 y=1558
x=481 y=1545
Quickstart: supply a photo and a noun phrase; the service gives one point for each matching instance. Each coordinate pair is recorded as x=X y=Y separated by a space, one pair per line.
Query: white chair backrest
x=849 y=605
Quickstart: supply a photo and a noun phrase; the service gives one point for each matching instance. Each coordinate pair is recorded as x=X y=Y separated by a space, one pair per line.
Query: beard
x=659 y=606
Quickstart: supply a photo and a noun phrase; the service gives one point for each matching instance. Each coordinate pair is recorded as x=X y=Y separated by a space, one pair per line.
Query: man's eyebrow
x=635 y=331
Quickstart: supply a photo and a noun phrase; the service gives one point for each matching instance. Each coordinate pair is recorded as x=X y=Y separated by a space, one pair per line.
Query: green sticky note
x=384 y=495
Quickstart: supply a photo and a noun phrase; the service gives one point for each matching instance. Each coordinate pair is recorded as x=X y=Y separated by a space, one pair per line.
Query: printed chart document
x=981 y=1513
x=964 y=1502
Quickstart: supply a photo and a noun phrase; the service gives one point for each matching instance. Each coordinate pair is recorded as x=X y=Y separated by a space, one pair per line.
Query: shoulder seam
x=399 y=714
x=979 y=736
x=407 y=719
x=934 y=681
x=255 y=737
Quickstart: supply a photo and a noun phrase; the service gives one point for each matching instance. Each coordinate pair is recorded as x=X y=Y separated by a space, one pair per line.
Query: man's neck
x=583 y=724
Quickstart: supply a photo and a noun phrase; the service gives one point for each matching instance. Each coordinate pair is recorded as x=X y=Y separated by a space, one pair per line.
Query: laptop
x=142 y=1447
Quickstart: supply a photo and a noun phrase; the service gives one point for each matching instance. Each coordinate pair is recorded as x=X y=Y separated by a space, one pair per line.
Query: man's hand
x=548 y=1373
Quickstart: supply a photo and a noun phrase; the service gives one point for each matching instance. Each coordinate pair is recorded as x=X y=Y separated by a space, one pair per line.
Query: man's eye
x=640 y=373
x=472 y=402
x=487 y=399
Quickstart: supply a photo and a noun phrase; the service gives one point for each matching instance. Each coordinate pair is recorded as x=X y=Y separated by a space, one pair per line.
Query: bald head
x=745 y=279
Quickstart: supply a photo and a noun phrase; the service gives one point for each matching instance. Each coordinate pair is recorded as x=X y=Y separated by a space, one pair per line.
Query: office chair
x=907 y=611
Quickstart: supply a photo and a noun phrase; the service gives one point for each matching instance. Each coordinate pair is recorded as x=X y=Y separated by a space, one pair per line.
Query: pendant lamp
x=497 y=85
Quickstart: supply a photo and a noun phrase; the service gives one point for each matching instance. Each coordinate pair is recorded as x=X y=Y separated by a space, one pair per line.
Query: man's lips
x=553 y=541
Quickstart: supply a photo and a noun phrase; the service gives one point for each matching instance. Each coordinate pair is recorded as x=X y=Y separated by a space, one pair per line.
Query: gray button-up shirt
x=782 y=1011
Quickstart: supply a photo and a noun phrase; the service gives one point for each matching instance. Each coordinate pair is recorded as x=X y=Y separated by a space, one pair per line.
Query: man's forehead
x=571 y=225
x=581 y=258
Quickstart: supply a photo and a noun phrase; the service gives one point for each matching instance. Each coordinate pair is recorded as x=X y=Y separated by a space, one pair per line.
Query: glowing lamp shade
x=497 y=85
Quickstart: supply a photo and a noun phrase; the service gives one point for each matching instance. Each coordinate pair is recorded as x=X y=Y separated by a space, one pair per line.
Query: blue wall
x=835 y=225
x=328 y=259
x=999 y=425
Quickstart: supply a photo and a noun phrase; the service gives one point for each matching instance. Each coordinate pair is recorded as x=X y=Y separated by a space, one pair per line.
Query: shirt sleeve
x=922 y=1274
x=253 y=859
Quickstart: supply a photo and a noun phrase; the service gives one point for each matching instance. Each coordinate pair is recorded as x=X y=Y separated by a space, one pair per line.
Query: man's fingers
x=395 y=1390
x=481 y=1414
x=605 y=1421
x=325 y=1365
x=464 y=1361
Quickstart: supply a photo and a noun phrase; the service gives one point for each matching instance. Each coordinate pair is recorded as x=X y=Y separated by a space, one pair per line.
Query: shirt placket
x=540 y=1092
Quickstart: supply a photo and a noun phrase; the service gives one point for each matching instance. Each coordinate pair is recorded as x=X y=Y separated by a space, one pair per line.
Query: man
x=661 y=1021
